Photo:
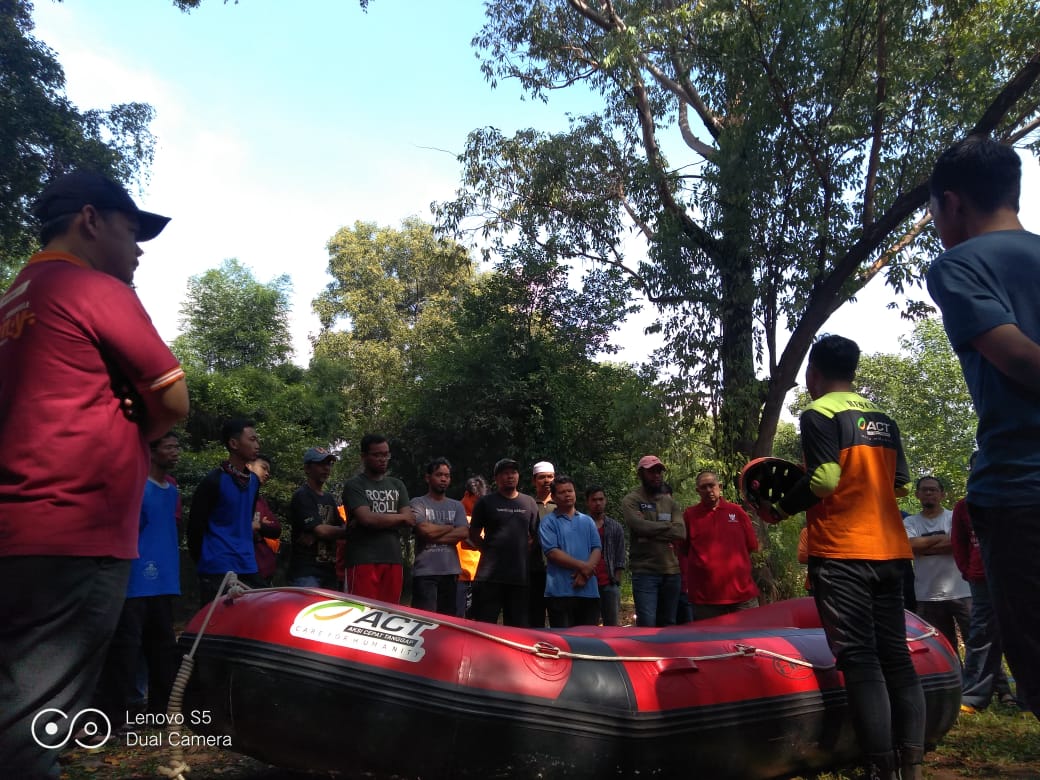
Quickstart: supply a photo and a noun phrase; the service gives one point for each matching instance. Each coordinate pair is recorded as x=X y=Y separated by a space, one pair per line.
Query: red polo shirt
x=72 y=467
x=718 y=561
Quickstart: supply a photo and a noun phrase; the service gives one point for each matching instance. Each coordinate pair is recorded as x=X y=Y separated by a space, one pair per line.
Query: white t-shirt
x=936 y=577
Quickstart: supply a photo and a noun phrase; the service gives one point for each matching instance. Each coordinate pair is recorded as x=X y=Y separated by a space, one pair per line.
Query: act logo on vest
x=874 y=428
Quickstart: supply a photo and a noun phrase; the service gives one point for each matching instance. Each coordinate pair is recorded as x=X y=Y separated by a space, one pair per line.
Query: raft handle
x=546 y=650
x=676 y=665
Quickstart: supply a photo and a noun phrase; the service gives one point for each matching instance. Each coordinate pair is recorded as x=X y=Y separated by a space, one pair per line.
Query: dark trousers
x=861 y=610
x=609 y=604
x=537 y=604
x=464 y=598
x=492 y=598
x=435 y=592
x=567 y=611
x=706 y=611
x=57 y=616
x=1009 y=539
x=949 y=617
x=146 y=624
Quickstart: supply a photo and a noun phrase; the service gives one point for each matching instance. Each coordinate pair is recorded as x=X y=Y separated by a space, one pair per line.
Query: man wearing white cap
x=542 y=476
x=654 y=521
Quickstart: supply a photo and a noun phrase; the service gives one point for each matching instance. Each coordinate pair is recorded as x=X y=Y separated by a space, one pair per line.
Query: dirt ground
x=1001 y=744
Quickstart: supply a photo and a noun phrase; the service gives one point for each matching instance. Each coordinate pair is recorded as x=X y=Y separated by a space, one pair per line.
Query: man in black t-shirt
x=507 y=519
x=316 y=525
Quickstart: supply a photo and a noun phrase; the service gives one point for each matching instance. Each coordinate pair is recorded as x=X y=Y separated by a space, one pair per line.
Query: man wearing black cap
x=85 y=384
x=507 y=518
x=316 y=525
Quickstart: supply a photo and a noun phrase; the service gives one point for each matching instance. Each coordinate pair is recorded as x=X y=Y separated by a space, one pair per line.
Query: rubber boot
x=881 y=766
x=911 y=763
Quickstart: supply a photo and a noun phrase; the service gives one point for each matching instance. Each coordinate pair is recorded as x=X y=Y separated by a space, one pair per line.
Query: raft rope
x=178 y=767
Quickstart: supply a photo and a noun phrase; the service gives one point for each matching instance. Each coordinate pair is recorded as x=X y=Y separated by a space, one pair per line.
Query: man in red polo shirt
x=717 y=553
x=85 y=384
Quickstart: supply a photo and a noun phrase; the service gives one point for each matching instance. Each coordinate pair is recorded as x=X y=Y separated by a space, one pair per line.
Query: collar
x=64 y=257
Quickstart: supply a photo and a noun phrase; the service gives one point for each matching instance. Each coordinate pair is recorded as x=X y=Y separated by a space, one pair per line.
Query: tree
x=519 y=378
x=230 y=320
x=804 y=179
x=387 y=309
x=923 y=389
x=235 y=348
x=42 y=135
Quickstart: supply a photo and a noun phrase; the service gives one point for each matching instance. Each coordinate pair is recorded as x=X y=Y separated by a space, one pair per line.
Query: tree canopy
x=922 y=387
x=43 y=135
x=387 y=309
x=229 y=320
x=772 y=156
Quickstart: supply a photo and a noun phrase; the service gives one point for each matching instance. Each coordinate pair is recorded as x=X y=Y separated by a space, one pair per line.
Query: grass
x=1000 y=742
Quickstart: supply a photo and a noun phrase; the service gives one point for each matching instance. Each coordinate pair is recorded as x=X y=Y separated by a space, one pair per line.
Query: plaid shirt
x=614 y=553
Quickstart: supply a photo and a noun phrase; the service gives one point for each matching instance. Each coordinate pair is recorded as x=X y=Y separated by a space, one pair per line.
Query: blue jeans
x=1009 y=540
x=983 y=674
x=656 y=597
x=609 y=604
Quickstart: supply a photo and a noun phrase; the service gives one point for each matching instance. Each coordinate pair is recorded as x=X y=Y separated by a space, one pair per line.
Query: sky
x=279 y=123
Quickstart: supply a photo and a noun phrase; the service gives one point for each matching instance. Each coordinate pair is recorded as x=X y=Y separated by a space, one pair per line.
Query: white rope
x=178 y=767
x=551 y=651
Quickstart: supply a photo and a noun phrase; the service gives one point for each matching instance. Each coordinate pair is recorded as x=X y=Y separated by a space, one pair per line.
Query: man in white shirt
x=943 y=595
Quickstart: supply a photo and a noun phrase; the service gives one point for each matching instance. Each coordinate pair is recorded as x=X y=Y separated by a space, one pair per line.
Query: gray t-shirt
x=432 y=558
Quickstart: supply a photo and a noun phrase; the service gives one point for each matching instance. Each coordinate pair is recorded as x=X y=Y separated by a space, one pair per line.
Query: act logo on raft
x=362 y=627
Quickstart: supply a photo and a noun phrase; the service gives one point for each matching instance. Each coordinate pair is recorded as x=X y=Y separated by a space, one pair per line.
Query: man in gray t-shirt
x=440 y=524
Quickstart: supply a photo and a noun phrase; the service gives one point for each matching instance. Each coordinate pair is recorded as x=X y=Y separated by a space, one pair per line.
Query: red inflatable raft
x=312 y=679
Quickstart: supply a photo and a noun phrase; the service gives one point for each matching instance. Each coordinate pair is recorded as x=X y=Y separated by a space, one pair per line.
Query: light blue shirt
x=577 y=536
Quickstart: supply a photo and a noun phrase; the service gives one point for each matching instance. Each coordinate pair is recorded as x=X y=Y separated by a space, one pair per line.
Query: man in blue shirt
x=220 y=525
x=987 y=285
x=572 y=551
x=146 y=623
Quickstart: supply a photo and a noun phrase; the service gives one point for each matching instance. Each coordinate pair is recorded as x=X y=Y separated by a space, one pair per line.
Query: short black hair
x=985 y=172
x=53 y=228
x=563 y=479
x=369 y=439
x=233 y=428
x=154 y=443
x=266 y=459
x=433 y=464
x=917 y=484
x=835 y=357
x=702 y=472
x=593 y=489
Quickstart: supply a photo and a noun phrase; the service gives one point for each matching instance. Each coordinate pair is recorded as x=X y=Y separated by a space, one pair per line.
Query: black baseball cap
x=69 y=193
x=506 y=463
